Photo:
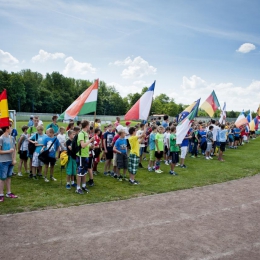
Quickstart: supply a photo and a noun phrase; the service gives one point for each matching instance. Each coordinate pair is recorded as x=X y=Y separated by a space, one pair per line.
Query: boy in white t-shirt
x=62 y=139
x=140 y=133
x=166 y=142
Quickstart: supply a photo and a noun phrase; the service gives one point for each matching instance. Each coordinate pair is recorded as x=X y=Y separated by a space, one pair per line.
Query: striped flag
x=86 y=103
x=211 y=104
x=223 y=115
x=241 y=120
x=4 y=115
x=188 y=110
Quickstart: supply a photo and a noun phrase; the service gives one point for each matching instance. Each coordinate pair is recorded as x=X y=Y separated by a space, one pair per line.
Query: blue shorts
x=6 y=170
x=83 y=165
x=141 y=151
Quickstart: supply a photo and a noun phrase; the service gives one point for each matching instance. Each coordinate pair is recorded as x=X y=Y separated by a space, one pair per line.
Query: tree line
x=30 y=91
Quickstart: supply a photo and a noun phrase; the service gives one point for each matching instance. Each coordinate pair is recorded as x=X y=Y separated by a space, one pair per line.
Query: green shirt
x=173 y=146
x=32 y=130
x=83 y=136
x=159 y=137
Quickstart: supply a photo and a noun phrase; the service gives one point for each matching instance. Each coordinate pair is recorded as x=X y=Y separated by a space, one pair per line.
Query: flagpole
x=95 y=113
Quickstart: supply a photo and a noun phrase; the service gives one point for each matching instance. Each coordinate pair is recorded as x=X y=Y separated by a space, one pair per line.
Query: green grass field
x=36 y=195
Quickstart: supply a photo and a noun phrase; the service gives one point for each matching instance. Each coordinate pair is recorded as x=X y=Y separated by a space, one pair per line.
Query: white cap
x=119 y=128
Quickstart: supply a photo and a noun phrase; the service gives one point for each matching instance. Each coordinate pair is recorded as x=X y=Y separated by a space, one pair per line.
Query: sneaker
x=35 y=178
x=79 y=191
x=95 y=173
x=13 y=174
x=158 y=171
x=74 y=185
x=134 y=182
x=112 y=174
x=177 y=164
x=85 y=189
x=11 y=196
x=46 y=180
x=166 y=163
x=207 y=158
x=192 y=156
x=90 y=183
x=150 y=169
x=68 y=187
x=140 y=165
x=39 y=175
x=20 y=174
x=115 y=176
x=120 y=178
x=125 y=179
x=183 y=166
x=53 y=179
x=106 y=173
x=30 y=175
x=210 y=158
x=2 y=198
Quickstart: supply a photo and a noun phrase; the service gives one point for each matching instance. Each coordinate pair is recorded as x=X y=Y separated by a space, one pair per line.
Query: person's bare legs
x=8 y=185
x=46 y=170
x=2 y=183
x=51 y=171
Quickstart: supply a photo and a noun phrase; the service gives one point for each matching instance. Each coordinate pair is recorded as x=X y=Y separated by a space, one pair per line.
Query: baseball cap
x=128 y=123
x=119 y=128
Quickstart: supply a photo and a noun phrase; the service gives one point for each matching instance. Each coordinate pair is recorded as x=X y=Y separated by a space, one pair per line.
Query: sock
x=34 y=175
x=84 y=185
x=68 y=183
x=8 y=193
x=1 y=194
x=78 y=187
x=72 y=182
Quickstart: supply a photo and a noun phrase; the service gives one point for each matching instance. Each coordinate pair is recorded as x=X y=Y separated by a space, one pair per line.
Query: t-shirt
x=14 y=133
x=165 y=124
x=24 y=142
x=97 y=140
x=165 y=137
x=215 y=132
x=6 y=143
x=126 y=132
x=62 y=140
x=185 y=141
x=108 y=137
x=135 y=146
x=140 y=133
x=40 y=140
x=159 y=138
x=236 y=132
x=173 y=146
x=121 y=145
x=195 y=134
x=230 y=133
x=222 y=135
x=47 y=143
x=152 y=141
x=54 y=127
x=83 y=136
x=209 y=137
x=203 y=136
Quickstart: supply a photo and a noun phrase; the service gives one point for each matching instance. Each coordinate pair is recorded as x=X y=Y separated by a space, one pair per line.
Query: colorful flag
x=4 y=115
x=188 y=110
x=211 y=104
x=141 y=109
x=184 y=126
x=241 y=120
x=86 y=103
x=249 y=116
x=253 y=125
x=223 y=115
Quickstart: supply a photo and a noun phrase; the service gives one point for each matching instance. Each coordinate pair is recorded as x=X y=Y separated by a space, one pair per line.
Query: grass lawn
x=35 y=195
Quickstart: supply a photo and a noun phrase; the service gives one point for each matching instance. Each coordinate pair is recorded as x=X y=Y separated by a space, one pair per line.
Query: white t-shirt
x=25 y=142
x=62 y=140
x=215 y=131
x=165 y=137
x=126 y=132
x=140 y=133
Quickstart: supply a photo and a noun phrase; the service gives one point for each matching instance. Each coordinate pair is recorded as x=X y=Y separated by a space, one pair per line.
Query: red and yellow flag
x=4 y=114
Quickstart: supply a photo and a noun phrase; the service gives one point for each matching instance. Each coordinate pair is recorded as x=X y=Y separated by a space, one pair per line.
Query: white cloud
x=246 y=47
x=136 y=68
x=7 y=59
x=76 y=68
x=44 y=56
x=125 y=90
x=236 y=97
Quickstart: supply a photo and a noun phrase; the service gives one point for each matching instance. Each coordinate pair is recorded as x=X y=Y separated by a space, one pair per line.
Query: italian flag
x=86 y=103
x=4 y=114
x=211 y=104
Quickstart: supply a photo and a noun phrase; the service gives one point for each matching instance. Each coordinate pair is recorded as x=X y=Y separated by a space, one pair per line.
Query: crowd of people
x=83 y=145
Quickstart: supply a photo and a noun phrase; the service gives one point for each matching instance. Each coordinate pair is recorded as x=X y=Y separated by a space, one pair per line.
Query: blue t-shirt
x=185 y=141
x=203 y=136
x=236 y=132
x=47 y=143
x=164 y=124
x=40 y=140
x=222 y=135
x=30 y=123
x=14 y=133
x=121 y=145
x=152 y=141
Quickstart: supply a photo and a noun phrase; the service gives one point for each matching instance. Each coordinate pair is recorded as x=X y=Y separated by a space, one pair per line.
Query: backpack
x=75 y=148
x=31 y=146
x=64 y=158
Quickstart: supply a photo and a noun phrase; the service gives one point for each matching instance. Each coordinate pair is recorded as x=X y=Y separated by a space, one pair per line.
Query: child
x=222 y=137
x=38 y=140
x=97 y=150
x=108 y=148
x=7 y=162
x=62 y=139
x=184 y=150
x=203 y=140
x=140 y=133
x=118 y=128
x=134 y=155
x=71 y=167
x=166 y=142
x=231 y=137
x=195 y=140
x=237 y=137
x=174 y=148
x=22 y=149
x=209 y=142
x=103 y=155
x=159 y=148
x=120 y=148
x=152 y=149
x=83 y=156
x=53 y=143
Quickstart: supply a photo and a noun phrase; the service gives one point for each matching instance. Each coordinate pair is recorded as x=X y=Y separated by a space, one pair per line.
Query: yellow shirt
x=135 y=146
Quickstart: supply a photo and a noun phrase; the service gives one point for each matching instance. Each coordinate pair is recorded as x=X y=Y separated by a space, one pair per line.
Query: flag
x=211 y=104
x=241 y=120
x=188 y=110
x=141 y=109
x=258 y=111
x=4 y=115
x=86 y=103
x=184 y=126
x=253 y=125
x=223 y=115
x=249 y=116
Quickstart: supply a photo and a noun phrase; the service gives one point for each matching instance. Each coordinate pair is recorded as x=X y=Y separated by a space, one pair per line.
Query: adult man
x=54 y=125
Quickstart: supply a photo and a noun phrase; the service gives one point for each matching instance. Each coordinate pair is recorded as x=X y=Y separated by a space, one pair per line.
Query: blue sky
x=189 y=47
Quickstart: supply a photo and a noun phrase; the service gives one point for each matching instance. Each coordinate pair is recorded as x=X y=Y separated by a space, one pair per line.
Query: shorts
x=231 y=139
x=184 y=150
x=23 y=155
x=35 y=160
x=152 y=155
x=82 y=164
x=203 y=146
x=122 y=161
x=115 y=160
x=133 y=163
x=71 y=167
x=6 y=170
x=51 y=161
x=109 y=155
x=237 y=138
x=209 y=147
x=222 y=146
x=175 y=157
x=141 y=151
x=159 y=155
